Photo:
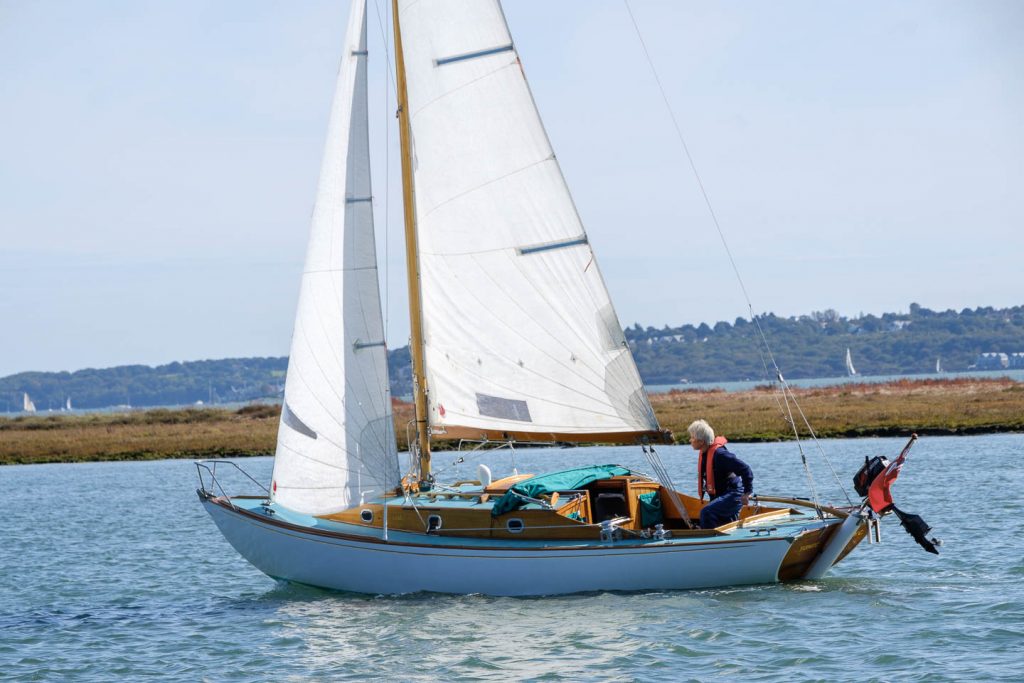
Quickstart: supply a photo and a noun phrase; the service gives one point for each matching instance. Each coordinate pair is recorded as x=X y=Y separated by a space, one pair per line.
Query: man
x=728 y=480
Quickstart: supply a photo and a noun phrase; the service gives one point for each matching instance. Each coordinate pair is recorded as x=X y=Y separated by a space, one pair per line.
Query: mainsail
x=26 y=403
x=850 y=370
x=336 y=438
x=520 y=335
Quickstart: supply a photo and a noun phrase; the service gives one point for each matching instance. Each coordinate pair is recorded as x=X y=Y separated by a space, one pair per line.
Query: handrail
x=802 y=503
x=215 y=483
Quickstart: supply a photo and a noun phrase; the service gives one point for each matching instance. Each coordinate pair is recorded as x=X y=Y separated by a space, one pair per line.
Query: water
x=113 y=571
x=810 y=383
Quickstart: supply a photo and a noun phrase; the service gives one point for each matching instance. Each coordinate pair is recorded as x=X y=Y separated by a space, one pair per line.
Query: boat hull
x=369 y=565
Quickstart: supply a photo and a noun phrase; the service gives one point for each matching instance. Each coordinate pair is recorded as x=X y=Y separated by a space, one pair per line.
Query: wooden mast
x=412 y=259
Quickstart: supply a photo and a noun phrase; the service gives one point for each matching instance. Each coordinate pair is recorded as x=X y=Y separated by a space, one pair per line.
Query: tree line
x=804 y=346
x=815 y=345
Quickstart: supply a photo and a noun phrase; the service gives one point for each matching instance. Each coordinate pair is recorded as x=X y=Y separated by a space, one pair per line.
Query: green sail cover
x=542 y=484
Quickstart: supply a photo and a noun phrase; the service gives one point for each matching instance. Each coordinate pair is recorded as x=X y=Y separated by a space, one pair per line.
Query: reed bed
x=960 y=406
x=139 y=435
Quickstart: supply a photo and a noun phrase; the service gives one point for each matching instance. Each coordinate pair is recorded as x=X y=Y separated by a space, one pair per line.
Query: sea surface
x=113 y=571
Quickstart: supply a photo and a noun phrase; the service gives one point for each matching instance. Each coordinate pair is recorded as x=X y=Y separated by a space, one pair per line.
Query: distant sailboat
x=850 y=370
x=938 y=365
x=67 y=404
x=27 y=405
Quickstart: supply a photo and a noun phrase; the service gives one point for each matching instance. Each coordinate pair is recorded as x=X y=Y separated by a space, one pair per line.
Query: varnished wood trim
x=759 y=517
x=505 y=483
x=801 y=554
x=858 y=536
x=808 y=546
x=841 y=514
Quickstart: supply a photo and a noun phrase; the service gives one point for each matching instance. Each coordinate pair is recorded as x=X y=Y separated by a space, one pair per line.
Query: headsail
x=520 y=334
x=336 y=438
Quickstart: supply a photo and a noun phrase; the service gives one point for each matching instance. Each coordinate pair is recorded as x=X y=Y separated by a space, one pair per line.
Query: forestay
x=336 y=438
x=520 y=334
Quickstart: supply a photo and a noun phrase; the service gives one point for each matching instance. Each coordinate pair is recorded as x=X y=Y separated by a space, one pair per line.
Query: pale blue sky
x=158 y=162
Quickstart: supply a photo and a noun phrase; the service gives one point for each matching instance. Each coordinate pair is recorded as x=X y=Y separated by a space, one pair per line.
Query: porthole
x=433 y=523
x=515 y=526
x=366 y=515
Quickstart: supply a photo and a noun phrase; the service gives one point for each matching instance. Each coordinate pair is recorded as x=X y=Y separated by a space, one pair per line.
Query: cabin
x=623 y=505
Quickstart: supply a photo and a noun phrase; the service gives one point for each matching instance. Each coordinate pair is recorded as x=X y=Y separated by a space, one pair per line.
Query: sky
x=158 y=162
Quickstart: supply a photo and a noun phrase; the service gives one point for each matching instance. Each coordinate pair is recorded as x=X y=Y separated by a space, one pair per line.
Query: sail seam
x=414 y=114
x=300 y=329
x=528 y=340
x=326 y=464
x=479 y=187
x=514 y=330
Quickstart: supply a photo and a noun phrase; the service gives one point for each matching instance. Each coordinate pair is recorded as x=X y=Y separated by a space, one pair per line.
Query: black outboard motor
x=878 y=471
x=918 y=528
x=866 y=474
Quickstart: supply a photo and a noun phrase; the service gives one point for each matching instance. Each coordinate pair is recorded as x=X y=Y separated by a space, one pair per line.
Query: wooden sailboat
x=514 y=339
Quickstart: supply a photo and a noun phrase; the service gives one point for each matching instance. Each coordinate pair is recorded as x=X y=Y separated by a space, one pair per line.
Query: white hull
x=343 y=562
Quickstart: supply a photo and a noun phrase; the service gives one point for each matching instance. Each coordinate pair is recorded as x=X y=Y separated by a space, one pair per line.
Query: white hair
x=702 y=431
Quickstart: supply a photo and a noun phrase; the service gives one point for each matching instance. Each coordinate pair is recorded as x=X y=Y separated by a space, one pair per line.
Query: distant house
x=992 y=361
x=1016 y=360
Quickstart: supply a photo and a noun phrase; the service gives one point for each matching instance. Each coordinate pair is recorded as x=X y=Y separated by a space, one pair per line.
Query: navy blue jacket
x=727 y=464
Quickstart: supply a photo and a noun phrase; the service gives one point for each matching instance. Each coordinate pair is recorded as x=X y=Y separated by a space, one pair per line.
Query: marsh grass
x=139 y=435
x=956 y=406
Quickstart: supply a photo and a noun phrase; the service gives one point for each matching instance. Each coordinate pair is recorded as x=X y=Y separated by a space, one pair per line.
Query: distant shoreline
x=930 y=406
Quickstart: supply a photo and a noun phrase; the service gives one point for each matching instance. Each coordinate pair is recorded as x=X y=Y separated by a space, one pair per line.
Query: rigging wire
x=767 y=355
x=661 y=472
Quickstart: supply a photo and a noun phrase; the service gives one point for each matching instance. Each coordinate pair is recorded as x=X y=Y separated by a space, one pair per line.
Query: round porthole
x=433 y=523
x=515 y=526
x=366 y=515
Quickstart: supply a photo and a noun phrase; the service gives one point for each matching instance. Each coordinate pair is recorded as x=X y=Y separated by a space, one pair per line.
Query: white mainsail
x=520 y=334
x=849 y=364
x=26 y=403
x=336 y=438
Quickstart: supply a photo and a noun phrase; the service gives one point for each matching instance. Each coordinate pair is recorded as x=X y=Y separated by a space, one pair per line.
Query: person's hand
x=745 y=499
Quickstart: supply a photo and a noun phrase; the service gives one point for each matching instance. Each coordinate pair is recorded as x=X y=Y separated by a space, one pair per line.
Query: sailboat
x=26 y=403
x=850 y=370
x=938 y=366
x=514 y=340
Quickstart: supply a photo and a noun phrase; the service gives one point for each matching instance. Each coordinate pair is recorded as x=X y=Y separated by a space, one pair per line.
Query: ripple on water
x=125 y=592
